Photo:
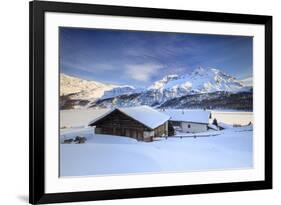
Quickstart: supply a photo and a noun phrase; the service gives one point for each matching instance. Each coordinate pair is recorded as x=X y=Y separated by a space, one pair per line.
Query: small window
x=188 y=125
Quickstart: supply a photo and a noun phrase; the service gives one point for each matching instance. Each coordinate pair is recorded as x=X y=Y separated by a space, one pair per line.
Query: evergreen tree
x=215 y=122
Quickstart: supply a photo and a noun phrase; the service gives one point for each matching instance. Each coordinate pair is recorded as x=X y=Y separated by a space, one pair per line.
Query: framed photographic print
x=139 y=102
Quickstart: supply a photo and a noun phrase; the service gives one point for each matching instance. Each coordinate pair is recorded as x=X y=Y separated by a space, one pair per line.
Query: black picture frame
x=37 y=11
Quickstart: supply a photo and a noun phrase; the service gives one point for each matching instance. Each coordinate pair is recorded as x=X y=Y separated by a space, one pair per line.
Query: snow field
x=113 y=155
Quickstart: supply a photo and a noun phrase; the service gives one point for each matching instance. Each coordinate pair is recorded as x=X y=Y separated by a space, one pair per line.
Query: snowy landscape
x=135 y=102
x=226 y=145
x=230 y=148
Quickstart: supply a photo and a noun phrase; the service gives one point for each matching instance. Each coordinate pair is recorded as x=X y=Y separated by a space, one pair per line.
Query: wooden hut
x=142 y=123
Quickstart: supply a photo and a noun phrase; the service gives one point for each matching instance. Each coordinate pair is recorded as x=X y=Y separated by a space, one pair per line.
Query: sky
x=140 y=58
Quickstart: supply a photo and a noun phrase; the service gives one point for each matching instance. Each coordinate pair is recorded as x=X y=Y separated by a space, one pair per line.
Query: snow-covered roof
x=100 y=116
x=214 y=127
x=197 y=116
x=143 y=114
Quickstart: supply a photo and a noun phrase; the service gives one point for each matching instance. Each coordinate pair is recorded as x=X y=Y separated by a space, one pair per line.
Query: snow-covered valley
x=106 y=154
x=230 y=148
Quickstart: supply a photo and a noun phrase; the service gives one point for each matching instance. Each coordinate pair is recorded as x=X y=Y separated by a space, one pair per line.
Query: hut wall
x=193 y=127
x=162 y=130
x=148 y=135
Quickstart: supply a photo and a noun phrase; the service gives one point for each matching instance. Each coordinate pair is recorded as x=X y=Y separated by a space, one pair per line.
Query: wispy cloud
x=142 y=72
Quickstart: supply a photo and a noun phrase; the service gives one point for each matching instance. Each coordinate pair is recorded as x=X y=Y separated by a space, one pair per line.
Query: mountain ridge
x=98 y=94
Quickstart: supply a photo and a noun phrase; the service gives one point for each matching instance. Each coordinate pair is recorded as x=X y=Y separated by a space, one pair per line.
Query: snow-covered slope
x=122 y=90
x=201 y=80
x=82 y=89
x=247 y=81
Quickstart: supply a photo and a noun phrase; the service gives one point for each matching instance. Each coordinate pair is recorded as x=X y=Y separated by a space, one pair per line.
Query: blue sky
x=140 y=58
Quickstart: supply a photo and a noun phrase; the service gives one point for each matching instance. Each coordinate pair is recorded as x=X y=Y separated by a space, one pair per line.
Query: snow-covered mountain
x=122 y=90
x=77 y=93
x=247 y=81
x=201 y=80
x=80 y=89
x=198 y=82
